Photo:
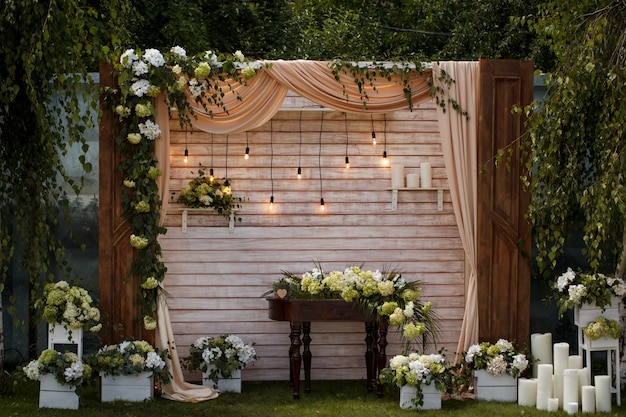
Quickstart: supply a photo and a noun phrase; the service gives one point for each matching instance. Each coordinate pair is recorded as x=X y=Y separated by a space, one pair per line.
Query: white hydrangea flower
x=239 y=55
x=140 y=87
x=471 y=352
x=520 y=362
x=128 y=57
x=576 y=293
x=504 y=345
x=154 y=361
x=32 y=370
x=74 y=372
x=150 y=129
x=154 y=57
x=140 y=68
x=179 y=51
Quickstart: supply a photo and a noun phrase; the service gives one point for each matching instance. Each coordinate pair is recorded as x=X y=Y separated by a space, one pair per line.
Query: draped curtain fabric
x=255 y=103
x=459 y=145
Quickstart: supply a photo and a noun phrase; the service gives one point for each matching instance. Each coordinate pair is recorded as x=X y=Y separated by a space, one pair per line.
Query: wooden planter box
x=588 y=313
x=134 y=388
x=232 y=384
x=431 y=397
x=495 y=388
x=52 y=394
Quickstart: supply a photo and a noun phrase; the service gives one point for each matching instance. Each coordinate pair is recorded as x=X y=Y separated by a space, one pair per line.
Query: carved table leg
x=370 y=363
x=296 y=359
x=306 y=354
x=382 y=354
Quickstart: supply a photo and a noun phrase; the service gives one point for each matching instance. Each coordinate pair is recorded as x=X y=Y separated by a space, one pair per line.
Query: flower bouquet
x=209 y=192
x=420 y=372
x=69 y=305
x=576 y=289
x=386 y=293
x=66 y=368
x=219 y=357
x=497 y=359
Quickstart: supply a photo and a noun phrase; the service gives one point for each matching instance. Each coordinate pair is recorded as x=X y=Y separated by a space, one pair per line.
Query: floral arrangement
x=219 y=356
x=576 y=289
x=66 y=368
x=143 y=75
x=497 y=359
x=69 y=305
x=209 y=192
x=416 y=370
x=602 y=327
x=386 y=293
x=129 y=358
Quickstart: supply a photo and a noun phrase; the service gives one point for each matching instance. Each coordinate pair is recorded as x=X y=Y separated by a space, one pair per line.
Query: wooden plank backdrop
x=216 y=277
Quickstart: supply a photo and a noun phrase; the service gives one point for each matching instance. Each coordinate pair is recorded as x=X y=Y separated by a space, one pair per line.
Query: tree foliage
x=576 y=136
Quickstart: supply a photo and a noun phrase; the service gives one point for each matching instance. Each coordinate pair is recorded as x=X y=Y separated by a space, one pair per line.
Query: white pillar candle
x=527 y=392
x=589 y=399
x=426 y=174
x=570 y=386
x=413 y=180
x=553 y=404
x=561 y=359
x=575 y=362
x=583 y=379
x=541 y=349
x=544 y=385
x=603 y=393
x=397 y=176
x=571 y=408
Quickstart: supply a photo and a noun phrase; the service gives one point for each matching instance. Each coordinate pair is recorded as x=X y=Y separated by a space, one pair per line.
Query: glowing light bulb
x=186 y=158
x=299 y=173
x=373 y=138
x=247 y=155
x=271 y=202
x=322 y=207
x=211 y=177
x=385 y=160
x=347 y=163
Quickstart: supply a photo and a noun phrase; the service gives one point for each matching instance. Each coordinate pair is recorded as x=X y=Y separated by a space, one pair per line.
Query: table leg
x=295 y=358
x=291 y=334
x=370 y=363
x=382 y=354
x=306 y=354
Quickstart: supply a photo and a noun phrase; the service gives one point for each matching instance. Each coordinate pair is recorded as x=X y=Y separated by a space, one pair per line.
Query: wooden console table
x=300 y=313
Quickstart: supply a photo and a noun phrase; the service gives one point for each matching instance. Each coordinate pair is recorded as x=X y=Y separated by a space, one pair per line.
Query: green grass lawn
x=266 y=399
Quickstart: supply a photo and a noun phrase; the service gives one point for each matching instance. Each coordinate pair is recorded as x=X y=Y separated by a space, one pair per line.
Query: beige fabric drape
x=459 y=145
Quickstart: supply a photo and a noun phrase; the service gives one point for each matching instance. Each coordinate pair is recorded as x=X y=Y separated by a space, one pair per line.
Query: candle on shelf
x=561 y=360
x=527 y=392
x=589 y=399
x=426 y=174
x=571 y=408
x=570 y=386
x=541 y=349
x=603 y=393
x=553 y=404
x=575 y=362
x=413 y=180
x=544 y=385
x=397 y=176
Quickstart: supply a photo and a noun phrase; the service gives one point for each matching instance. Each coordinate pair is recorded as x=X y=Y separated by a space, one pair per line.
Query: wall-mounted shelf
x=186 y=210
x=394 y=196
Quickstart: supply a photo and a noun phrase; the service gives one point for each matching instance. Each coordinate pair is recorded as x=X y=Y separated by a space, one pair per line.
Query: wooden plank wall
x=216 y=277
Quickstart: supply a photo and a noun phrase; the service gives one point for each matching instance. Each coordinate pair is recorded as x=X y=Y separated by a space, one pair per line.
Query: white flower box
x=134 y=388
x=602 y=343
x=431 y=397
x=52 y=394
x=495 y=388
x=63 y=334
x=588 y=313
x=232 y=384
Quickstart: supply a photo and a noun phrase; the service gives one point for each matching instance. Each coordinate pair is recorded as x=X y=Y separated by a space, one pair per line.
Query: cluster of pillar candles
x=561 y=381
x=412 y=180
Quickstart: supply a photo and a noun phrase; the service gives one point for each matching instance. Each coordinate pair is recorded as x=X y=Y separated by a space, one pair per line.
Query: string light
x=211 y=177
x=186 y=158
x=300 y=150
x=373 y=131
x=385 y=160
x=226 y=182
x=319 y=163
x=271 y=164
x=247 y=155
x=345 y=119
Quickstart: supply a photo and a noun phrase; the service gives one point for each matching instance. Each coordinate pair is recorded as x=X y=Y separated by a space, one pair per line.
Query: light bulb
x=299 y=173
x=373 y=138
x=211 y=177
x=271 y=202
x=247 y=155
x=186 y=159
x=385 y=160
x=322 y=204
x=347 y=163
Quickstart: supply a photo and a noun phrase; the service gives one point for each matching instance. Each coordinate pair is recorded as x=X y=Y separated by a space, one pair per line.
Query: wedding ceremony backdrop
x=464 y=238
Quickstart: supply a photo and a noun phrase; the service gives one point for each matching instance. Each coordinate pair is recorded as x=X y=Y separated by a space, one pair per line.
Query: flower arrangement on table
x=387 y=294
x=69 y=305
x=66 y=368
x=577 y=288
x=129 y=358
x=416 y=370
x=497 y=359
x=220 y=356
x=209 y=192
x=603 y=327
